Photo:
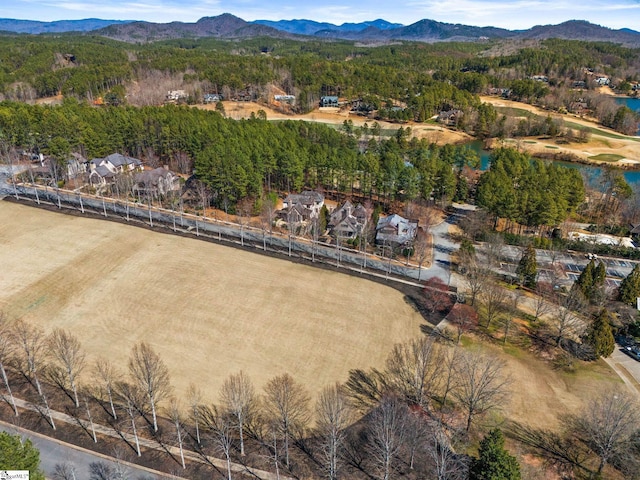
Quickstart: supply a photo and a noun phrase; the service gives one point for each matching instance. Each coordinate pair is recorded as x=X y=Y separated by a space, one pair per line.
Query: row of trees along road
x=413 y=418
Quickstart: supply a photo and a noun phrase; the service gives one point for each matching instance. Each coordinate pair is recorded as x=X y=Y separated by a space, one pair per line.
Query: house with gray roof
x=103 y=170
x=157 y=182
x=396 y=231
x=347 y=221
x=309 y=199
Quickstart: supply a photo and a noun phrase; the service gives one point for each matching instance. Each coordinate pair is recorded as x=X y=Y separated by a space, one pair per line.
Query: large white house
x=104 y=170
x=396 y=230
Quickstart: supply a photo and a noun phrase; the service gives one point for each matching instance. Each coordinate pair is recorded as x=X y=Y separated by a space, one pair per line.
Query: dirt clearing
x=207 y=309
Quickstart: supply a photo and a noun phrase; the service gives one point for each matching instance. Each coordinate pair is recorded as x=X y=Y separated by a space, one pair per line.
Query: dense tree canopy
x=238 y=159
x=529 y=192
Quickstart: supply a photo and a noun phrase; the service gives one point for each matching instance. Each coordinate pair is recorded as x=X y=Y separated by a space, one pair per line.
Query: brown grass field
x=211 y=310
x=207 y=309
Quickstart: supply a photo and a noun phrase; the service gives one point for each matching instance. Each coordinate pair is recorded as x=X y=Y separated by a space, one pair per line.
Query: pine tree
x=600 y=336
x=591 y=280
x=19 y=455
x=494 y=462
x=630 y=287
x=527 y=269
x=585 y=280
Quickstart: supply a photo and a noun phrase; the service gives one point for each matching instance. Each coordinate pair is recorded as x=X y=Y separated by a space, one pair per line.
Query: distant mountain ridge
x=59 y=26
x=311 y=27
x=232 y=27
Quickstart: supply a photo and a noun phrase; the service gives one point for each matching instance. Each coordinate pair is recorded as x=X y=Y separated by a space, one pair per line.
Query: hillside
x=231 y=27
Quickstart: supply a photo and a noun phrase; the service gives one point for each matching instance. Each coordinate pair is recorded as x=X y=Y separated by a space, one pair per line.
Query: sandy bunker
x=209 y=310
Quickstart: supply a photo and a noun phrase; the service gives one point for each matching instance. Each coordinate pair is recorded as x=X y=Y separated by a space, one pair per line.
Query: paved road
x=152 y=444
x=443 y=248
x=626 y=367
x=54 y=452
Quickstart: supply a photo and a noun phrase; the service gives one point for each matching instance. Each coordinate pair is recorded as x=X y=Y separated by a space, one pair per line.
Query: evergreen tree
x=599 y=335
x=591 y=280
x=494 y=462
x=527 y=269
x=630 y=287
x=19 y=455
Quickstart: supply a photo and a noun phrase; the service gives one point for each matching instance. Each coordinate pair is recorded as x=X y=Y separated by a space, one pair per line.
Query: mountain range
x=230 y=26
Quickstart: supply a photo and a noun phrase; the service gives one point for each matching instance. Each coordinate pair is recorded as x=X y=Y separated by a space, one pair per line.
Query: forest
x=249 y=158
x=403 y=81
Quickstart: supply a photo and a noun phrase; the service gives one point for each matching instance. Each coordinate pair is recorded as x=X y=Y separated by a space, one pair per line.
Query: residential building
x=156 y=182
x=348 y=221
x=395 y=230
x=309 y=199
x=329 y=101
x=104 y=170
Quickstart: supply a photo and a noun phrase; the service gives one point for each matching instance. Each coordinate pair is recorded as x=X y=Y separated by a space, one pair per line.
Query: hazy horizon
x=512 y=15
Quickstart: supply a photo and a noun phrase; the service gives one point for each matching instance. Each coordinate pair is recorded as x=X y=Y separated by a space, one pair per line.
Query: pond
x=632 y=103
x=591 y=172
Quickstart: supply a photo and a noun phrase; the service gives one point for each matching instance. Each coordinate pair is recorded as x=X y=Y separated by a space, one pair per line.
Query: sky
x=511 y=14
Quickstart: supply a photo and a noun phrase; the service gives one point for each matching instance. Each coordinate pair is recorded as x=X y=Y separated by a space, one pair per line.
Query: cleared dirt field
x=209 y=310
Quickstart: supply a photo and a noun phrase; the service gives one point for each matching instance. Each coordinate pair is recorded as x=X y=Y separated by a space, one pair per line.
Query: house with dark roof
x=450 y=117
x=635 y=232
x=347 y=221
x=329 y=101
x=212 y=98
x=157 y=182
x=309 y=199
x=76 y=165
x=396 y=230
x=103 y=170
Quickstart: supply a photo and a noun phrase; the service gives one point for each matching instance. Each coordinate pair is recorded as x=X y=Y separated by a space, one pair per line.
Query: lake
x=591 y=172
x=632 y=103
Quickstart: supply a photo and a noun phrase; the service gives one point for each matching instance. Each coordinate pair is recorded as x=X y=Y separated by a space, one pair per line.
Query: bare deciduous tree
x=239 y=400
x=464 y=318
x=107 y=374
x=31 y=346
x=194 y=396
x=565 y=321
x=287 y=403
x=64 y=471
x=422 y=248
x=386 y=431
x=68 y=358
x=542 y=300
x=129 y=397
x=176 y=418
x=333 y=416
x=494 y=250
x=7 y=350
x=219 y=425
x=475 y=279
x=415 y=369
x=607 y=426
x=447 y=465
x=493 y=298
x=151 y=375
x=481 y=386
